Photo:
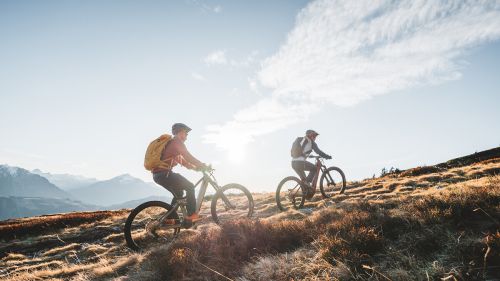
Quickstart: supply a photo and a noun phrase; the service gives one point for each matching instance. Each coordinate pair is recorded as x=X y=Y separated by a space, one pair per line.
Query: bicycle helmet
x=177 y=127
x=311 y=132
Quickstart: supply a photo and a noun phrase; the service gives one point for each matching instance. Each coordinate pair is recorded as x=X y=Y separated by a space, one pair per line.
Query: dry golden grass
x=306 y=263
x=19 y=228
x=452 y=234
x=421 y=224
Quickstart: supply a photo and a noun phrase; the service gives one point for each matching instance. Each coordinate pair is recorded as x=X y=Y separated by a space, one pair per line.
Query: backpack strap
x=303 y=145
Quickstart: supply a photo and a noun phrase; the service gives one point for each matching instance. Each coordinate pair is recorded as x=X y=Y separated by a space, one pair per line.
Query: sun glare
x=236 y=154
x=233 y=145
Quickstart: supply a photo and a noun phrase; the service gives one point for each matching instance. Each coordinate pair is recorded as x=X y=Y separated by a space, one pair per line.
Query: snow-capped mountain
x=66 y=181
x=15 y=181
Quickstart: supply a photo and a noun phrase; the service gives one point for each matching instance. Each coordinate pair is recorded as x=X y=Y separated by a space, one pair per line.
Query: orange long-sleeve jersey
x=177 y=153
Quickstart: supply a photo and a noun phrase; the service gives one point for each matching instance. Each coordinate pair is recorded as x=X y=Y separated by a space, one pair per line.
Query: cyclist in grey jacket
x=300 y=163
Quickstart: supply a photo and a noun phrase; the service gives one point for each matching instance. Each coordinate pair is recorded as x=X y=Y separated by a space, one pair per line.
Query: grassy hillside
x=425 y=223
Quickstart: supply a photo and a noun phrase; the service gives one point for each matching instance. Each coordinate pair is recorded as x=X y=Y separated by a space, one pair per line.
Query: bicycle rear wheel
x=147 y=225
x=332 y=182
x=290 y=194
x=232 y=201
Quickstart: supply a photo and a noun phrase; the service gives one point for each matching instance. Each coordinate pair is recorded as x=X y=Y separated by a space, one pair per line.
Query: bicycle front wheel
x=232 y=201
x=147 y=225
x=332 y=182
x=290 y=194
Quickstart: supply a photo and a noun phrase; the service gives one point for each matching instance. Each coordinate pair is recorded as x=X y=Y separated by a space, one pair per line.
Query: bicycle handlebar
x=315 y=156
x=207 y=169
x=319 y=157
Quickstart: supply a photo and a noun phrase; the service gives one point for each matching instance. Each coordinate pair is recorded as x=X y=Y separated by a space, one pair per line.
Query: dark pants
x=176 y=184
x=301 y=166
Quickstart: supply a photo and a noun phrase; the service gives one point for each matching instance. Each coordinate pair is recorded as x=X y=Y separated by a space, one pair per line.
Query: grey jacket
x=306 y=151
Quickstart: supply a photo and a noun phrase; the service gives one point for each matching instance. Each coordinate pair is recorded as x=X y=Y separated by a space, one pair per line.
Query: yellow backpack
x=152 y=160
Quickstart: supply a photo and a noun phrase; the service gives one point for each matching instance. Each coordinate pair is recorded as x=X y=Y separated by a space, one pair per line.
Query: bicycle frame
x=300 y=188
x=320 y=167
x=163 y=220
x=206 y=179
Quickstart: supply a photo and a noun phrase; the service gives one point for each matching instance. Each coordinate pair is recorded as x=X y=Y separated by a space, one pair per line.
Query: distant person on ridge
x=301 y=148
x=175 y=152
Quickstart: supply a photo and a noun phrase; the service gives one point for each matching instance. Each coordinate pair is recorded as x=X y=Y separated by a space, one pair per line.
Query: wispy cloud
x=219 y=57
x=266 y=116
x=253 y=85
x=198 y=76
x=206 y=7
x=344 y=52
x=217 y=9
x=216 y=57
x=248 y=60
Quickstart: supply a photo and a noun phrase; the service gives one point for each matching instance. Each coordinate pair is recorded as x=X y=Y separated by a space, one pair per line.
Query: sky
x=86 y=85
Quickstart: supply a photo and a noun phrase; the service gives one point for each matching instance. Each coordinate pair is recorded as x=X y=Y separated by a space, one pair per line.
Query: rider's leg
x=308 y=166
x=298 y=167
x=177 y=192
x=301 y=166
x=180 y=183
x=163 y=179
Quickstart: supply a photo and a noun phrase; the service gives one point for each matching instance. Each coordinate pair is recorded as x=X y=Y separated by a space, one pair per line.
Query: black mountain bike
x=292 y=191
x=157 y=221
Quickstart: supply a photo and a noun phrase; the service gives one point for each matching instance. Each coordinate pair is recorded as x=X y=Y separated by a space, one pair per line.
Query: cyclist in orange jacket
x=176 y=150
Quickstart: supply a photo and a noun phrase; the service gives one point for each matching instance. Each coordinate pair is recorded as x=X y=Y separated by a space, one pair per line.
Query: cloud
x=266 y=116
x=217 y=9
x=216 y=57
x=198 y=76
x=253 y=85
x=249 y=60
x=345 y=52
x=205 y=7
x=219 y=57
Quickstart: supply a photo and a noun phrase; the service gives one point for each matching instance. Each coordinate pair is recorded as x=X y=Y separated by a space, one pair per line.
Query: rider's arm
x=193 y=163
x=318 y=151
x=188 y=165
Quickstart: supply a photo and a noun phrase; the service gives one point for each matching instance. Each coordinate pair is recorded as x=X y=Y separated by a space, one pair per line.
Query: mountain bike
x=157 y=221
x=292 y=191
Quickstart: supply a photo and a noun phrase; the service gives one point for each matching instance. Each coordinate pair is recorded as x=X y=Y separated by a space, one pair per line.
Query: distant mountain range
x=16 y=207
x=134 y=203
x=20 y=182
x=117 y=190
x=66 y=181
x=25 y=193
